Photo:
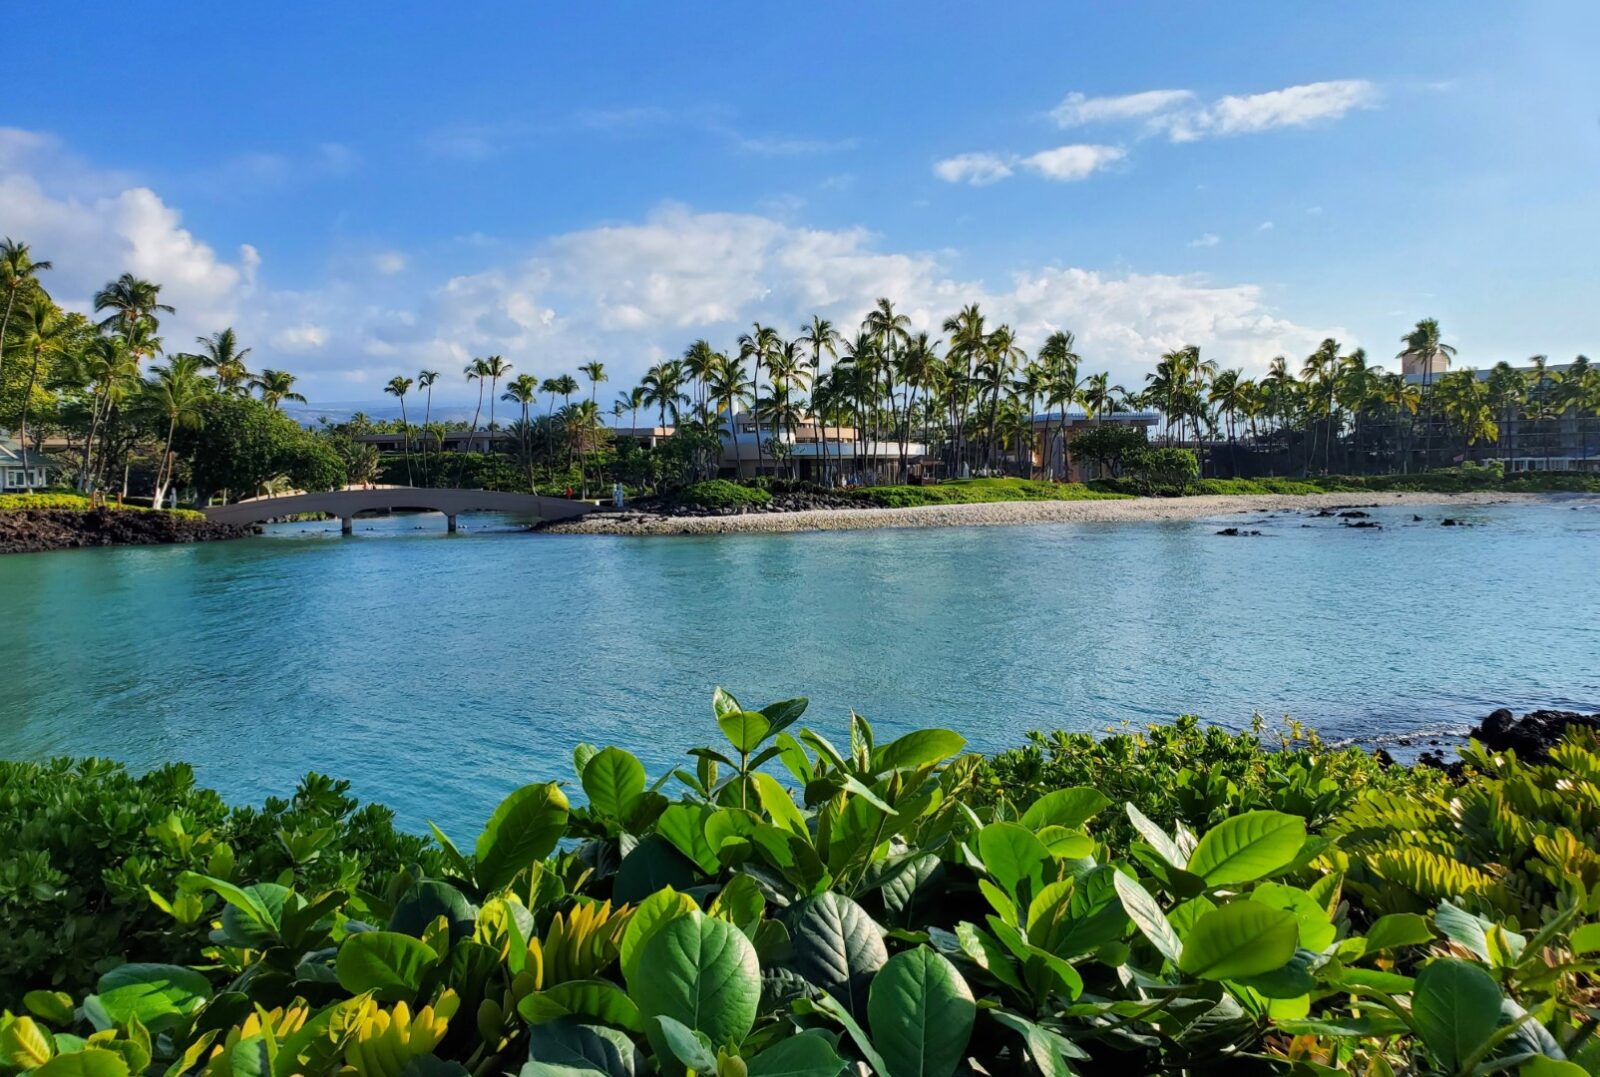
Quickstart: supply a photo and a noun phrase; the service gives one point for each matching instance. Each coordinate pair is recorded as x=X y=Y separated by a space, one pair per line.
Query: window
x=14 y=478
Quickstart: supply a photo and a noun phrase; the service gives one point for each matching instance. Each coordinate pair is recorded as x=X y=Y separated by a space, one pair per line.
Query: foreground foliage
x=59 y=501
x=797 y=907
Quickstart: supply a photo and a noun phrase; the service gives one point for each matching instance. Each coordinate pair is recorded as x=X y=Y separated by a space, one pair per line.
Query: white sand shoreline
x=1002 y=513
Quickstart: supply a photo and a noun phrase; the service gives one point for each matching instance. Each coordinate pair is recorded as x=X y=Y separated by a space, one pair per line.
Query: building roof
x=11 y=455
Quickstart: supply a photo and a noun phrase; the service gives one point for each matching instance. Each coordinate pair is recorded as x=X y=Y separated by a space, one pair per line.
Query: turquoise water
x=439 y=672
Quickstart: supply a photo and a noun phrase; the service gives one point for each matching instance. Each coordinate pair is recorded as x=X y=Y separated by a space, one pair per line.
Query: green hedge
x=1164 y=901
x=721 y=494
x=974 y=491
x=73 y=502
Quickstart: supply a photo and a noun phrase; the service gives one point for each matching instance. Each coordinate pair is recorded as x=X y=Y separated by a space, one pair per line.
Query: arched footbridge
x=348 y=504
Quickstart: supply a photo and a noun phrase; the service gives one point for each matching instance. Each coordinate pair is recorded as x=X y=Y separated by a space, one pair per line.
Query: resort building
x=1051 y=429
x=1541 y=441
x=809 y=451
x=22 y=469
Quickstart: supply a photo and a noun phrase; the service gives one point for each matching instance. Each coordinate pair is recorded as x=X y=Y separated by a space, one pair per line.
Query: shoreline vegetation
x=1176 y=898
x=45 y=522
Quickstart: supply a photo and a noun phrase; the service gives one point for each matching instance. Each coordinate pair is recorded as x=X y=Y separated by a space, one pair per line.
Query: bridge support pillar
x=347 y=525
x=450 y=523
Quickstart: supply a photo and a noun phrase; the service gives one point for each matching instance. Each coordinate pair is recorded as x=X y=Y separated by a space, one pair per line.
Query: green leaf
x=52 y=1006
x=1047 y=1050
x=1396 y=930
x=745 y=730
x=1540 y=1066
x=1246 y=847
x=1316 y=930
x=252 y=911
x=917 y=749
x=832 y=1007
x=425 y=902
x=595 y=1000
x=723 y=703
x=1012 y=853
x=1148 y=918
x=1456 y=1008
x=837 y=946
x=653 y=865
x=809 y=1054
x=1094 y=916
x=921 y=1012
x=785 y=713
x=387 y=963
x=702 y=972
x=779 y=805
x=614 y=781
x=522 y=830
x=691 y=1048
x=1070 y=808
x=684 y=825
x=1157 y=838
x=89 y=1062
x=653 y=913
x=1583 y=940
x=157 y=995
x=569 y=1042
x=1242 y=938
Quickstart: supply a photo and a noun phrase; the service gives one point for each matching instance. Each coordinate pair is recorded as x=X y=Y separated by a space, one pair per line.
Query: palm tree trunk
x=22 y=429
x=5 y=325
x=405 y=428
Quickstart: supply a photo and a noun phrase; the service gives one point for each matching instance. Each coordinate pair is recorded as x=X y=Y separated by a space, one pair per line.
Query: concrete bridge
x=349 y=503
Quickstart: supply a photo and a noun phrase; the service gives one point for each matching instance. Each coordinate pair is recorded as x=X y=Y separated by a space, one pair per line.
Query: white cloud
x=300 y=338
x=1210 y=239
x=628 y=293
x=1265 y=226
x=1294 y=106
x=977 y=169
x=389 y=262
x=1073 y=162
x=1078 y=109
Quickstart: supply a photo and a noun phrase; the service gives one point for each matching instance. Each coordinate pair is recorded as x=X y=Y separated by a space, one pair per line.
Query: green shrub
x=73 y=502
x=1164 y=472
x=977 y=491
x=786 y=905
x=80 y=843
x=720 y=494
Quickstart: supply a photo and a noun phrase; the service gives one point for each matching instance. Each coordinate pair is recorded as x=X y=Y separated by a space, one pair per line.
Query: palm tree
x=968 y=342
x=757 y=345
x=1467 y=407
x=727 y=386
x=17 y=269
x=130 y=301
x=892 y=332
x=44 y=332
x=1425 y=342
x=1321 y=375
x=276 y=386
x=174 y=393
x=596 y=373
x=1580 y=390
x=398 y=387
x=494 y=368
x=1060 y=362
x=662 y=390
x=1507 y=393
x=699 y=360
x=425 y=380
x=919 y=366
x=523 y=390
x=109 y=373
x=629 y=402
x=582 y=428
x=220 y=352
x=1000 y=357
x=1229 y=391
x=1541 y=400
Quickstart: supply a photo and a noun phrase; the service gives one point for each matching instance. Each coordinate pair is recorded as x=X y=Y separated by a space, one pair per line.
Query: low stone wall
x=38 y=530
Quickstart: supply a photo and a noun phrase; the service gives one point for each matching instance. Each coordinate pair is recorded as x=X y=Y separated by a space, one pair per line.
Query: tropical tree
x=46 y=333
x=425 y=380
x=173 y=394
x=1507 y=394
x=1059 y=359
x=276 y=387
x=398 y=387
x=1229 y=393
x=494 y=368
x=596 y=373
x=18 y=270
x=1580 y=391
x=131 y=301
x=1467 y=407
x=1426 y=343
x=757 y=346
x=220 y=353
x=727 y=387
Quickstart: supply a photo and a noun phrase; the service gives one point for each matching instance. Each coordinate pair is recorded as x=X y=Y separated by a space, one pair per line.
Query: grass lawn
x=974 y=491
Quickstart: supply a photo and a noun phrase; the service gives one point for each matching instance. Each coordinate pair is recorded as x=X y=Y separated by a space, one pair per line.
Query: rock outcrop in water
x=1531 y=736
x=38 y=530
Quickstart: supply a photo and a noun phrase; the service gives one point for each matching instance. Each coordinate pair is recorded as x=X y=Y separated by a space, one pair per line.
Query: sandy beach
x=1003 y=513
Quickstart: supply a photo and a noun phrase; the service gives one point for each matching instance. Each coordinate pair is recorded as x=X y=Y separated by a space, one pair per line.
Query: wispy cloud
x=1078 y=109
x=1210 y=239
x=1073 y=162
x=1062 y=164
x=1293 y=106
x=975 y=169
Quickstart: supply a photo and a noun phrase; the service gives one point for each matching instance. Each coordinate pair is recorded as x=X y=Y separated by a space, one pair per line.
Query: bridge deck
x=346 y=504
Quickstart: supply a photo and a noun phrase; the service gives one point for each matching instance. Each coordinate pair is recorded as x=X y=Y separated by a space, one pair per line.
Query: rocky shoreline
x=41 y=530
x=785 y=518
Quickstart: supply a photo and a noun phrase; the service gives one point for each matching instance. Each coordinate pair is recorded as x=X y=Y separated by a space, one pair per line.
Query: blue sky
x=365 y=189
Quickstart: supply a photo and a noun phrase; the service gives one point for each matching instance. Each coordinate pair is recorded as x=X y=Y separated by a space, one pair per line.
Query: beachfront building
x=1533 y=438
x=837 y=455
x=452 y=440
x=23 y=469
x=1051 y=429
